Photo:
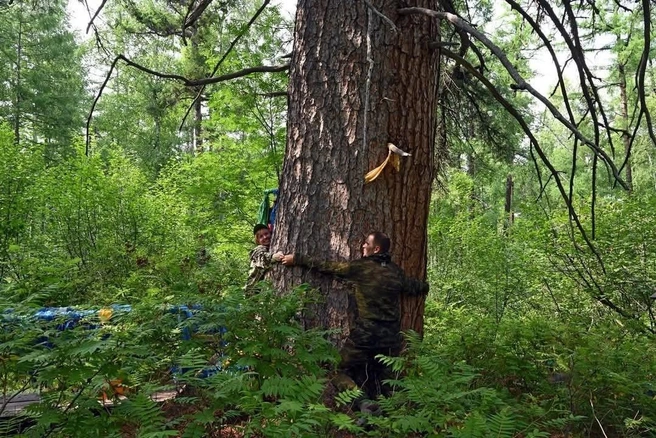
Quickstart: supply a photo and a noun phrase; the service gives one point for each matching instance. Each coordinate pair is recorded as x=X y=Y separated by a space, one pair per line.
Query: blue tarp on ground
x=69 y=318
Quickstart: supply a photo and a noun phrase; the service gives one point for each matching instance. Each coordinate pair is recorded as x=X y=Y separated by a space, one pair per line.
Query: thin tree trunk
x=626 y=137
x=17 y=85
x=197 y=70
x=198 y=126
x=509 y=198
x=356 y=84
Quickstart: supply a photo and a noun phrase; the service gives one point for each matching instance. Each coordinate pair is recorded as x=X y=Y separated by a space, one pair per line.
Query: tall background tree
x=43 y=88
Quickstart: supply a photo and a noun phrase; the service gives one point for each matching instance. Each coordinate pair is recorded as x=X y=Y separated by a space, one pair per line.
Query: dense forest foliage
x=134 y=209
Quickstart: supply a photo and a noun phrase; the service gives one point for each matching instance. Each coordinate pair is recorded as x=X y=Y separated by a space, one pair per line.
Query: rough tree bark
x=361 y=76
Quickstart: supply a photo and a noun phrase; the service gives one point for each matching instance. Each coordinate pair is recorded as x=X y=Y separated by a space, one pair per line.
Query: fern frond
x=397 y=364
x=502 y=424
x=348 y=396
x=474 y=426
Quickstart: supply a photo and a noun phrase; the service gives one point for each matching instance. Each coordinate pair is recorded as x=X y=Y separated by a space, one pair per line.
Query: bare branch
x=13 y=396
x=584 y=72
x=621 y=6
x=274 y=94
x=206 y=81
x=381 y=15
x=92 y=25
x=465 y=43
x=646 y=11
x=73 y=402
x=547 y=43
x=543 y=188
x=538 y=173
x=596 y=289
x=190 y=8
x=616 y=130
x=572 y=175
x=93 y=105
x=534 y=142
x=440 y=44
x=521 y=83
x=631 y=140
x=100 y=8
x=192 y=17
x=593 y=221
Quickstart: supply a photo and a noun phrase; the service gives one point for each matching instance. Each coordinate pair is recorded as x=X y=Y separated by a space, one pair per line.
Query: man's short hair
x=381 y=239
x=259 y=227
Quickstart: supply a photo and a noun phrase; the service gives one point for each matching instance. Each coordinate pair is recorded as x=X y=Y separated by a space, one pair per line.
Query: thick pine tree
x=361 y=76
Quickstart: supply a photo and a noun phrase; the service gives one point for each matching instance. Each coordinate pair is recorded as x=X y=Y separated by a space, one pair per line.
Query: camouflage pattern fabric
x=261 y=260
x=378 y=284
x=359 y=366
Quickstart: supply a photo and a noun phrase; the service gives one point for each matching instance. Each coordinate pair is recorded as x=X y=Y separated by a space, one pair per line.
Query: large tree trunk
x=356 y=84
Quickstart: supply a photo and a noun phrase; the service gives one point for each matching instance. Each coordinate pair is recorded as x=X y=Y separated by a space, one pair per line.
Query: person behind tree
x=378 y=284
x=260 y=258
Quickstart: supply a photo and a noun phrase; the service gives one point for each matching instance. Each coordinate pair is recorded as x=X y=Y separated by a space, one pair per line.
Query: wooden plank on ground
x=17 y=404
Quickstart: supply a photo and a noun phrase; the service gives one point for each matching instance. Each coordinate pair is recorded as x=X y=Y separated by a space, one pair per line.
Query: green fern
x=348 y=396
x=502 y=424
x=397 y=364
x=474 y=426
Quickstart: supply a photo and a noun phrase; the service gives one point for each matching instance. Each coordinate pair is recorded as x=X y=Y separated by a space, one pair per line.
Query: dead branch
x=534 y=142
x=572 y=175
x=519 y=80
x=100 y=8
x=206 y=81
x=575 y=48
x=552 y=52
x=646 y=11
x=273 y=94
x=381 y=15
x=593 y=204
x=93 y=105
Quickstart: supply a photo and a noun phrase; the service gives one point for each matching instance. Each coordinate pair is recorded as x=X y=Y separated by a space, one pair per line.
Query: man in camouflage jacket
x=260 y=257
x=378 y=284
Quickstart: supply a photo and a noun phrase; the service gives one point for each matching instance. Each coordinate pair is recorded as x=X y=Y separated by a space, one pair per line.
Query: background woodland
x=145 y=196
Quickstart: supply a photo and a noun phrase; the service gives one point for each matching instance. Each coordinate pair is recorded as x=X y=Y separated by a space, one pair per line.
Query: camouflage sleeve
x=261 y=258
x=261 y=261
x=339 y=269
x=414 y=287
